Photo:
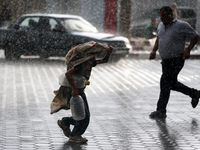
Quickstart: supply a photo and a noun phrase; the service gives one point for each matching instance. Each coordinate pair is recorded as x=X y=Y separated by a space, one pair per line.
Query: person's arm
x=70 y=79
x=155 y=48
x=106 y=57
x=186 y=52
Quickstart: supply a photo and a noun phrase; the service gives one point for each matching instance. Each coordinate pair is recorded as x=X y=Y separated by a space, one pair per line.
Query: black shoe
x=66 y=129
x=195 y=100
x=157 y=115
x=77 y=139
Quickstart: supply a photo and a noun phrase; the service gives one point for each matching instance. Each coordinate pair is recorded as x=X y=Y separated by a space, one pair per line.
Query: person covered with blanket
x=80 y=61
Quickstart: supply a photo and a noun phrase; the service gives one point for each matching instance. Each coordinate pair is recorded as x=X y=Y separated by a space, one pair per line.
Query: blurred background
x=122 y=17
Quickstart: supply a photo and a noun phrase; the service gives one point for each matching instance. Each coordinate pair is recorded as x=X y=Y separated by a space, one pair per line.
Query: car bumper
x=120 y=51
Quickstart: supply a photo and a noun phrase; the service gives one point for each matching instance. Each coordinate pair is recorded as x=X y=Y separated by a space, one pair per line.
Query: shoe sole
x=154 y=116
x=81 y=142
x=157 y=117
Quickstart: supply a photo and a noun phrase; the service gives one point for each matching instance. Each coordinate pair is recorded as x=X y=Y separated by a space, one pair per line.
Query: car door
x=27 y=35
x=54 y=39
x=62 y=39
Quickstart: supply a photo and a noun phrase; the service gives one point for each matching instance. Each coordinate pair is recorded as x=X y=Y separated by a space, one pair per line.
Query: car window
x=29 y=23
x=53 y=23
x=78 y=25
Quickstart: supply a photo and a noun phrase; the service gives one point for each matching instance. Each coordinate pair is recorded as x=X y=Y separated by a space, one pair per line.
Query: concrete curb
x=195 y=54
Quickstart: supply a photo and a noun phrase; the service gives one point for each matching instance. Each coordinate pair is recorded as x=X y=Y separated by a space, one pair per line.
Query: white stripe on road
x=23 y=85
x=33 y=85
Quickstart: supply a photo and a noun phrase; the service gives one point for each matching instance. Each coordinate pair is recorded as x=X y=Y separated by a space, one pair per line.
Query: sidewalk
x=121 y=96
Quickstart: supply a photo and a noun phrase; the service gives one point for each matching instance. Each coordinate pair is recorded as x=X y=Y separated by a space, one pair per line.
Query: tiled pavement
x=121 y=96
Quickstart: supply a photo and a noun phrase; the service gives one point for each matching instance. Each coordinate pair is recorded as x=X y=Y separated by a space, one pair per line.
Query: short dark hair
x=166 y=9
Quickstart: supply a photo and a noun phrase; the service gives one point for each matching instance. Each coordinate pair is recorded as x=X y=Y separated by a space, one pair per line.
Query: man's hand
x=186 y=54
x=155 y=48
x=106 y=57
x=110 y=49
x=152 y=55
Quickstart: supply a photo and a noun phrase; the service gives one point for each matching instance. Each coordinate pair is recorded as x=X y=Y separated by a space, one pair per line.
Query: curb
x=195 y=54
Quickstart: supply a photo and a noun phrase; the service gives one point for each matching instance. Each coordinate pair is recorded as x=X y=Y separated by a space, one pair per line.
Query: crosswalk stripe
x=33 y=85
x=23 y=85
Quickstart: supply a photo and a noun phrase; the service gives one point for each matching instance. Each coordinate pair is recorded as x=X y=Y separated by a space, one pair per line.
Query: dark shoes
x=67 y=132
x=157 y=115
x=195 y=100
x=77 y=139
x=66 y=129
x=160 y=115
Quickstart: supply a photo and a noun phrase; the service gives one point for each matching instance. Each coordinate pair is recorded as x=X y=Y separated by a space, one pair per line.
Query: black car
x=54 y=35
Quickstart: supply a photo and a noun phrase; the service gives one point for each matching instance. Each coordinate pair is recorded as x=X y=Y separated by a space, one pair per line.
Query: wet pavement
x=121 y=96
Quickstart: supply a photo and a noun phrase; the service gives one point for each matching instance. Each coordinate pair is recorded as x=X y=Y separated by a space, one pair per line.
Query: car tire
x=12 y=52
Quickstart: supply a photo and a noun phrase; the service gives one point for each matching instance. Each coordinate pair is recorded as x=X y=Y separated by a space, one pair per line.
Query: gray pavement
x=121 y=96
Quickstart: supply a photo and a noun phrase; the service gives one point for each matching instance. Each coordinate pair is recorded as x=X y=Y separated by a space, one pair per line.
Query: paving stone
x=121 y=97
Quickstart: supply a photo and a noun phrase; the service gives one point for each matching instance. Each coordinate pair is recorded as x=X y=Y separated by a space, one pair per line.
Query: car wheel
x=12 y=52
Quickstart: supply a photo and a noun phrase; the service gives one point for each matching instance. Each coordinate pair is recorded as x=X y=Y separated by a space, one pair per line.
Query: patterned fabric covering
x=83 y=52
x=60 y=100
x=77 y=55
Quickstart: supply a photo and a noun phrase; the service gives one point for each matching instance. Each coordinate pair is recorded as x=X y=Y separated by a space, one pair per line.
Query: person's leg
x=193 y=93
x=68 y=120
x=65 y=123
x=168 y=81
x=170 y=69
x=164 y=86
x=178 y=86
x=164 y=95
x=81 y=126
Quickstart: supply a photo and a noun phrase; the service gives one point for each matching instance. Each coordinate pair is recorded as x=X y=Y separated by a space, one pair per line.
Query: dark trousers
x=79 y=126
x=170 y=70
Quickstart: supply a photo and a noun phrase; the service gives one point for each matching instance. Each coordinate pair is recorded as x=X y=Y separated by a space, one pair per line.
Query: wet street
x=121 y=96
